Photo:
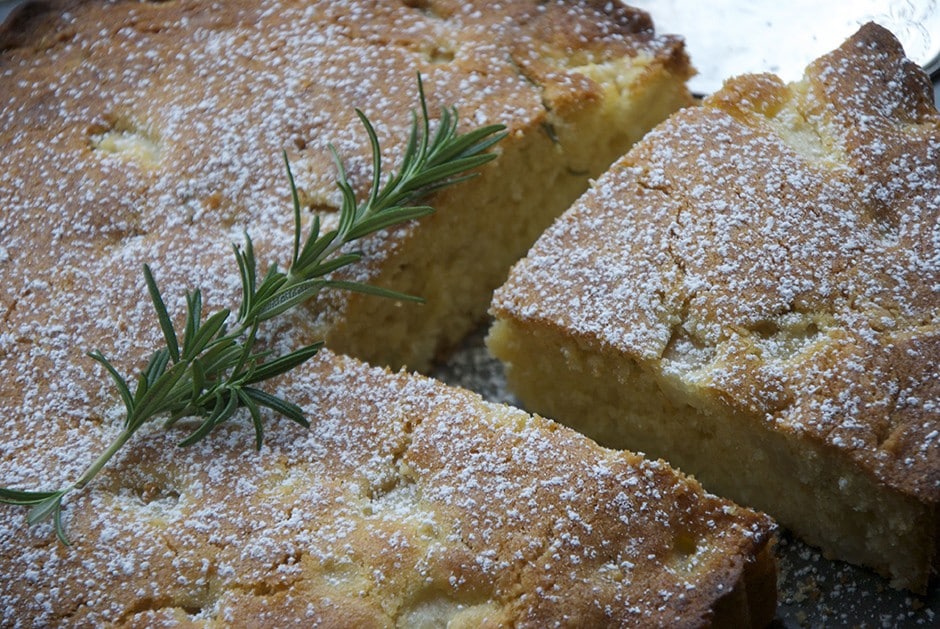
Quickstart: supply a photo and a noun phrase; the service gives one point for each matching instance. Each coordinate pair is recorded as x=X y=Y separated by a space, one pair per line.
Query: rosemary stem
x=102 y=460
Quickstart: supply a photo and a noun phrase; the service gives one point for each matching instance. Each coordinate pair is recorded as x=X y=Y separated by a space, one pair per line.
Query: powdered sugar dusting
x=152 y=132
x=785 y=257
x=400 y=483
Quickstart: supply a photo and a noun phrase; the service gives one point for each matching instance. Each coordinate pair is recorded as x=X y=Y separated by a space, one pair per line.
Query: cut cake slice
x=407 y=503
x=129 y=117
x=753 y=294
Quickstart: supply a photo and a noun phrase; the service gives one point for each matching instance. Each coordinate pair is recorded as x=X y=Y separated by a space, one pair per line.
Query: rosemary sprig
x=210 y=370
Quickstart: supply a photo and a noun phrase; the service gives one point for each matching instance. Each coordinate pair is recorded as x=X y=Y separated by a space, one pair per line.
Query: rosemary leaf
x=283 y=364
x=288 y=409
x=25 y=498
x=378 y=291
x=169 y=334
x=119 y=382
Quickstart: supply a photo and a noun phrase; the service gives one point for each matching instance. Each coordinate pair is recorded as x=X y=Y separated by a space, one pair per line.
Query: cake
x=752 y=293
x=407 y=503
x=134 y=116
x=152 y=133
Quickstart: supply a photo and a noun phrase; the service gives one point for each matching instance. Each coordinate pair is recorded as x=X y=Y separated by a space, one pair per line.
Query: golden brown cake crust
x=123 y=119
x=405 y=498
x=151 y=132
x=777 y=249
x=137 y=133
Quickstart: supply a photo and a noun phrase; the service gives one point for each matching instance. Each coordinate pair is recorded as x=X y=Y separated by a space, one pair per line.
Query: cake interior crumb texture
x=752 y=293
x=587 y=97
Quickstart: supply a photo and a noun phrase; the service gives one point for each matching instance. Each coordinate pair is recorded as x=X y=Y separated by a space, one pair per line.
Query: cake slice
x=138 y=116
x=752 y=293
x=407 y=503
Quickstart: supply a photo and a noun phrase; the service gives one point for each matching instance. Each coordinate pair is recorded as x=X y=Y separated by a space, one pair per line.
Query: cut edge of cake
x=595 y=106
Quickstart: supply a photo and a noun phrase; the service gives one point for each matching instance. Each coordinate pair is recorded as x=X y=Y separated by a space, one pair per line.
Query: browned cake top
x=406 y=499
x=131 y=131
x=123 y=119
x=778 y=250
x=152 y=132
